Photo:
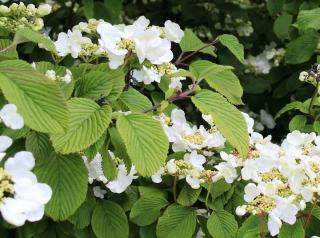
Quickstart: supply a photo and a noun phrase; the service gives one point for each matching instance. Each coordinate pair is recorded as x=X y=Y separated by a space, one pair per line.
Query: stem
x=262 y=226
x=310 y=214
x=207 y=197
x=174 y=188
x=7 y=48
x=314 y=96
x=181 y=59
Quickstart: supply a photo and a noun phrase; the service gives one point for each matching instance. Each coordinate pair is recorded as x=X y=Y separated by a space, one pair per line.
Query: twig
x=174 y=188
x=181 y=59
x=262 y=226
x=314 y=96
x=310 y=214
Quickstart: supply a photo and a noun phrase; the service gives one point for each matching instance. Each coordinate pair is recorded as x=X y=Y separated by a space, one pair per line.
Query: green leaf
x=10 y=53
x=135 y=101
x=202 y=68
x=68 y=178
x=190 y=42
x=308 y=42
x=94 y=85
x=275 y=6
x=88 y=8
x=16 y=134
x=119 y=147
x=309 y=19
x=222 y=224
x=281 y=25
x=292 y=231
x=250 y=228
x=145 y=140
x=26 y=34
x=109 y=221
x=218 y=188
x=227 y=118
x=316 y=126
x=39 y=100
x=82 y=217
x=88 y=121
x=109 y=167
x=39 y=144
x=298 y=122
x=228 y=84
x=146 y=210
x=188 y=196
x=233 y=44
x=177 y=221
x=290 y=106
x=118 y=84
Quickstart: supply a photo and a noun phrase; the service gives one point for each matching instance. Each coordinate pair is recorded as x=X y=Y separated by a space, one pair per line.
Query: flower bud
x=241 y=210
x=303 y=76
x=4 y=9
x=44 y=9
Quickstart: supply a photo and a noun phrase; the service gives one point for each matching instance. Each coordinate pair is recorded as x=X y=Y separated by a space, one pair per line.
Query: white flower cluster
x=308 y=77
x=262 y=120
x=243 y=28
x=262 y=63
x=18 y=16
x=52 y=75
x=282 y=179
x=119 y=184
x=22 y=198
x=149 y=45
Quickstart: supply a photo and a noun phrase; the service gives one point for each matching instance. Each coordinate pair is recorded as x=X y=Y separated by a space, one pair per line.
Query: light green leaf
x=188 y=196
x=119 y=147
x=118 y=84
x=109 y=167
x=68 y=178
x=135 y=101
x=227 y=118
x=233 y=44
x=94 y=85
x=298 y=122
x=190 y=42
x=39 y=144
x=145 y=140
x=228 y=84
x=292 y=231
x=88 y=121
x=202 y=68
x=39 y=100
x=26 y=34
x=291 y=106
x=308 y=42
x=146 y=210
x=109 y=220
x=222 y=224
x=10 y=53
x=309 y=19
x=177 y=221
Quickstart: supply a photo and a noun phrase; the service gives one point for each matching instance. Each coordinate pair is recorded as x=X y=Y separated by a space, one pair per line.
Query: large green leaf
x=39 y=100
x=222 y=224
x=188 y=196
x=39 y=144
x=292 y=231
x=68 y=178
x=82 y=217
x=146 y=210
x=145 y=140
x=94 y=85
x=135 y=101
x=227 y=118
x=233 y=44
x=190 y=42
x=109 y=220
x=177 y=221
x=291 y=106
x=302 y=48
x=226 y=83
x=309 y=19
x=281 y=25
x=202 y=68
x=26 y=34
x=88 y=121
x=10 y=53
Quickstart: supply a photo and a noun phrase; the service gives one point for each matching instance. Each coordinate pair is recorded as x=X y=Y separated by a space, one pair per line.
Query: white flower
x=71 y=43
x=175 y=83
x=98 y=192
x=10 y=117
x=193 y=182
x=196 y=160
x=123 y=179
x=251 y=192
x=241 y=210
x=146 y=75
x=29 y=195
x=171 y=167
x=259 y=63
x=303 y=76
x=249 y=121
x=267 y=119
x=44 y=9
x=68 y=77
x=173 y=31
x=156 y=178
x=5 y=143
x=225 y=170
x=94 y=167
x=274 y=224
